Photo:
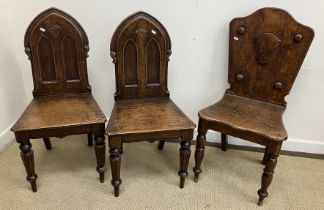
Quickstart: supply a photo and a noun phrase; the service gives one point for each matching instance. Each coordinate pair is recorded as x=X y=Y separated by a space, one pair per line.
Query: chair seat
x=48 y=112
x=137 y=116
x=241 y=117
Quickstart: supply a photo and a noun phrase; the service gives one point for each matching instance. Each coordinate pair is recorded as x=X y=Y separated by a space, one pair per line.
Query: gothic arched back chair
x=266 y=52
x=143 y=111
x=57 y=47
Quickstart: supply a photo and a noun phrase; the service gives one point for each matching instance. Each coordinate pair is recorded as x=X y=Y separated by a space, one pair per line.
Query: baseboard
x=290 y=145
x=6 y=137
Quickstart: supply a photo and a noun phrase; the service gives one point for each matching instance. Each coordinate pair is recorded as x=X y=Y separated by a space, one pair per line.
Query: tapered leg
x=184 y=160
x=90 y=140
x=200 y=148
x=267 y=175
x=115 y=169
x=121 y=149
x=27 y=156
x=224 y=143
x=161 y=144
x=100 y=149
x=48 y=143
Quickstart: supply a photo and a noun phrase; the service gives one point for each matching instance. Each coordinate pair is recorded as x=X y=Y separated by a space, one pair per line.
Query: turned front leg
x=27 y=156
x=115 y=168
x=199 y=153
x=270 y=164
x=184 y=160
x=100 y=149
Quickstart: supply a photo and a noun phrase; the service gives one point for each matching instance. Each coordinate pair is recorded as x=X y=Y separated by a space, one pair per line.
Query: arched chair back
x=57 y=47
x=140 y=48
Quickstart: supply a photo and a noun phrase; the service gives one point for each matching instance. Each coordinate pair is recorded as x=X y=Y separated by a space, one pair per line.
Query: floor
x=67 y=179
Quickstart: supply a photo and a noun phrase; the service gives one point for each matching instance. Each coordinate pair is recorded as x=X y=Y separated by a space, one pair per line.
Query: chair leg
x=161 y=144
x=199 y=153
x=267 y=176
x=184 y=160
x=27 y=156
x=47 y=143
x=100 y=149
x=265 y=157
x=90 y=140
x=115 y=169
x=122 y=149
x=224 y=143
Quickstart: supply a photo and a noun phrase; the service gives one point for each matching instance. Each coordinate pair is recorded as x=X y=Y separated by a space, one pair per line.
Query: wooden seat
x=247 y=117
x=57 y=47
x=154 y=115
x=56 y=112
x=266 y=51
x=143 y=111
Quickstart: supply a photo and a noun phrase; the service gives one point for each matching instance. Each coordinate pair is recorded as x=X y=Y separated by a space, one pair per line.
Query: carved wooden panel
x=130 y=63
x=46 y=60
x=266 y=52
x=140 y=48
x=57 y=47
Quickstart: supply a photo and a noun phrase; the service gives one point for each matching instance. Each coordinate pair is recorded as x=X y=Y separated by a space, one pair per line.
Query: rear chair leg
x=161 y=144
x=48 y=143
x=224 y=143
x=90 y=140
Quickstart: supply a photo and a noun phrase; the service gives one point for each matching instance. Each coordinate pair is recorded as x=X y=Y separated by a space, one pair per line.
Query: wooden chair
x=143 y=111
x=57 y=47
x=266 y=52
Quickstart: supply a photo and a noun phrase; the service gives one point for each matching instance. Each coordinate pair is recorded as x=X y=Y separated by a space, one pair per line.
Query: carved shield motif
x=265 y=45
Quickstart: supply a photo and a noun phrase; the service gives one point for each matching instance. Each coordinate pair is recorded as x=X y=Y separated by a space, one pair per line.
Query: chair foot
x=161 y=144
x=116 y=191
x=90 y=140
x=47 y=143
x=224 y=143
x=196 y=178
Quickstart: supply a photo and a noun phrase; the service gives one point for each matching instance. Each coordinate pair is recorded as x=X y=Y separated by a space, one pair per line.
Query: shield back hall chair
x=62 y=105
x=266 y=51
x=143 y=111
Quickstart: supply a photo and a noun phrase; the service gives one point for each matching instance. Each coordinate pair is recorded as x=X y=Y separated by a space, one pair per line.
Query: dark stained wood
x=161 y=144
x=266 y=52
x=224 y=143
x=90 y=140
x=140 y=48
x=47 y=143
x=57 y=47
x=143 y=111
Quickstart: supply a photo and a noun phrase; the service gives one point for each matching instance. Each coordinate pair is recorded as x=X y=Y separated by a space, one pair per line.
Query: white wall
x=198 y=66
x=12 y=92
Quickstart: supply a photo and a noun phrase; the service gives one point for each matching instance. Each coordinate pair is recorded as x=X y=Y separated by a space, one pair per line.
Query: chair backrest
x=266 y=52
x=140 y=48
x=57 y=47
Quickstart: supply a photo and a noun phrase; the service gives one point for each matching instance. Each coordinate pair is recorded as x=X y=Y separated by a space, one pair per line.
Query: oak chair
x=57 y=47
x=266 y=51
x=143 y=111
